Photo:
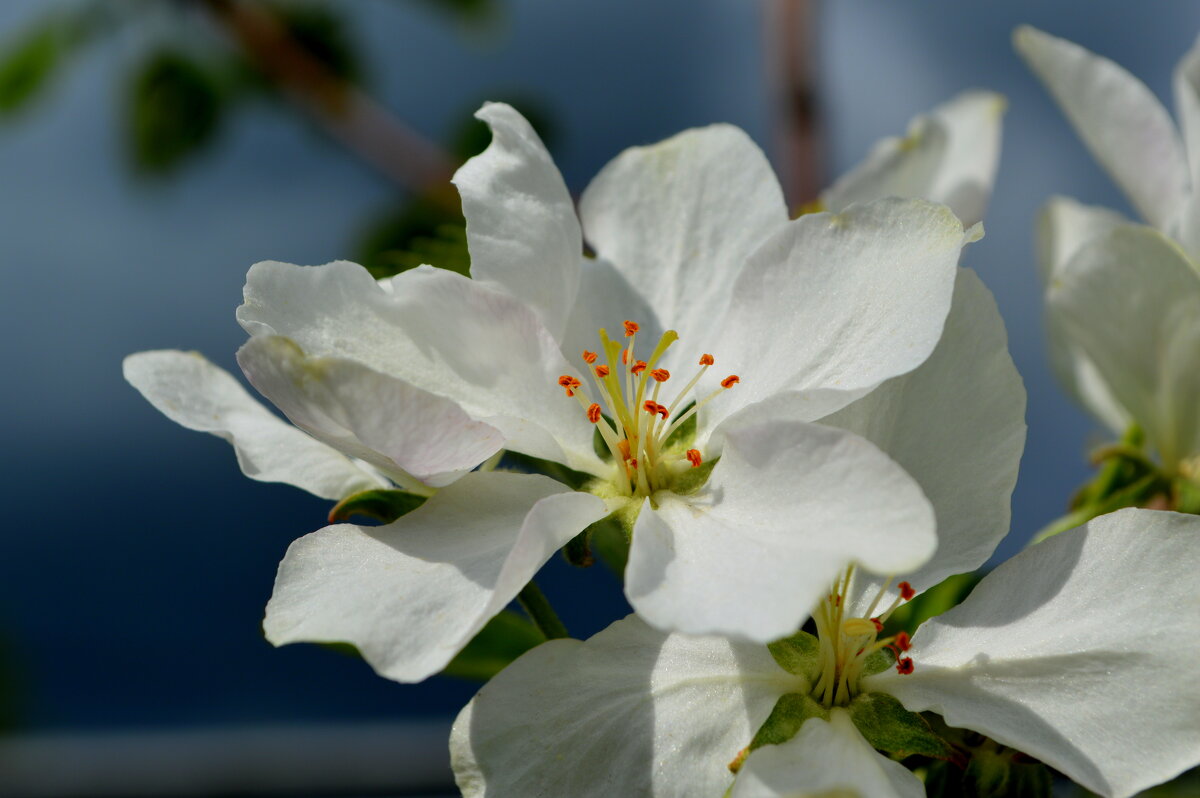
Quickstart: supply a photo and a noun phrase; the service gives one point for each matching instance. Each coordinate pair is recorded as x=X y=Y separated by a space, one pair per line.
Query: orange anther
x=638 y=367
x=654 y=408
x=593 y=413
x=706 y=360
x=569 y=383
x=631 y=327
x=623 y=448
x=878 y=624
x=625 y=353
x=602 y=371
x=902 y=641
x=904 y=666
x=730 y=381
x=906 y=591
x=693 y=456
x=589 y=357
x=660 y=375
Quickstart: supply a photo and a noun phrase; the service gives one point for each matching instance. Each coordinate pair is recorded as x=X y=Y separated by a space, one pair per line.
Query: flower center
x=637 y=429
x=848 y=644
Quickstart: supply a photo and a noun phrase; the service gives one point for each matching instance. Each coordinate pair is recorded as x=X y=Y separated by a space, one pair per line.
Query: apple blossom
x=1044 y=657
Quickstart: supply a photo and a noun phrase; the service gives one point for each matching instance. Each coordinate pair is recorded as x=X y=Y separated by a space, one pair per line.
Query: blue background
x=135 y=560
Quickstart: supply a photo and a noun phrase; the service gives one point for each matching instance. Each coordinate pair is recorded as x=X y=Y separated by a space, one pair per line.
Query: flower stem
x=538 y=608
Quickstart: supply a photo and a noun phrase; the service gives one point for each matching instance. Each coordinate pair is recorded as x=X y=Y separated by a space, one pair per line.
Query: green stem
x=538 y=608
x=1131 y=496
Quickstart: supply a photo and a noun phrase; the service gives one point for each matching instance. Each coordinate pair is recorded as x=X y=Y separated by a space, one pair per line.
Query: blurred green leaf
x=471 y=136
x=472 y=12
x=324 y=35
x=934 y=601
x=421 y=231
x=27 y=66
x=382 y=505
x=502 y=640
x=175 y=111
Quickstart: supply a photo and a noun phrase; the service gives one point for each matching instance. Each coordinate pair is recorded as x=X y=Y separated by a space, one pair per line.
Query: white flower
x=1123 y=300
x=693 y=244
x=948 y=155
x=1077 y=652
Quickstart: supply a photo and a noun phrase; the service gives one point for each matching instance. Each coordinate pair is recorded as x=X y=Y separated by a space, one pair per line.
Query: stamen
x=730 y=381
x=902 y=641
x=904 y=666
x=569 y=383
x=654 y=408
x=602 y=371
x=593 y=413
x=625 y=357
x=589 y=357
x=660 y=375
x=631 y=328
x=878 y=625
x=906 y=591
x=706 y=360
x=623 y=446
x=638 y=367
x=693 y=456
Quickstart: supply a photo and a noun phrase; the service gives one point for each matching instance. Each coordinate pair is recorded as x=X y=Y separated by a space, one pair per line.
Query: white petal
x=678 y=219
x=1187 y=106
x=957 y=425
x=192 y=392
x=1080 y=652
x=521 y=226
x=632 y=711
x=1064 y=226
x=411 y=594
x=1130 y=300
x=825 y=758
x=948 y=156
x=404 y=431
x=438 y=331
x=786 y=509
x=837 y=303
x=1119 y=119
x=605 y=301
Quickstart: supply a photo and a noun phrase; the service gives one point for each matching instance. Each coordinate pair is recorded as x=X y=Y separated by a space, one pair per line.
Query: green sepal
x=515 y=461
x=878 y=662
x=784 y=722
x=382 y=505
x=691 y=480
x=684 y=434
x=1185 y=496
x=798 y=654
x=943 y=596
x=578 y=551
x=503 y=639
x=610 y=543
x=888 y=726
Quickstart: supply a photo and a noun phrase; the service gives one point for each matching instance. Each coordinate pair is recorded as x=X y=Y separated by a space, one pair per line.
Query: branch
x=789 y=29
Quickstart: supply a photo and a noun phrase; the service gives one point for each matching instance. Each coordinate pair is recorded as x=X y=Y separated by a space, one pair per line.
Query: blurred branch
x=790 y=26
x=342 y=109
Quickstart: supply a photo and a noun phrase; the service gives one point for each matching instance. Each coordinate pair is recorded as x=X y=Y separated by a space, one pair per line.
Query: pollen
x=906 y=591
x=568 y=383
x=654 y=408
x=589 y=357
x=730 y=381
x=904 y=666
x=903 y=642
x=637 y=368
x=593 y=413
x=706 y=360
x=631 y=328
x=693 y=456
x=660 y=375
x=878 y=624
x=602 y=371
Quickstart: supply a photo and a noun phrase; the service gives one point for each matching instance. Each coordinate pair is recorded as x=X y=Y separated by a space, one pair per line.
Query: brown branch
x=790 y=26
x=344 y=111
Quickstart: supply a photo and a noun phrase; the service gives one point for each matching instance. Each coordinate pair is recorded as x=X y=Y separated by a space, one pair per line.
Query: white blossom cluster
x=793 y=423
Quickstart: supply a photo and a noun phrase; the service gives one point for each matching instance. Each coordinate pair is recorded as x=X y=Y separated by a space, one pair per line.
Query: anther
x=906 y=591
x=660 y=375
x=654 y=408
x=693 y=456
x=730 y=381
x=589 y=357
x=706 y=360
x=902 y=641
x=879 y=625
x=638 y=367
x=904 y=666
x=569 y=383
x=602 y=371
x=631 y=327
x=593 y=413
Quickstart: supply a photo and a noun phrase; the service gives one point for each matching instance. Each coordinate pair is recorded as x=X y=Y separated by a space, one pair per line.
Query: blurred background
x=151 y=151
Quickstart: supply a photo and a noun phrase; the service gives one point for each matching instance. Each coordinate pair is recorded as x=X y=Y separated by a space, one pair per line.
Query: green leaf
x=504 y=638
x=27 y=65
x=422 y=231
x=798 y=654
x=683 y=436
x=324 y=36
x=175 y=111
x=382 y=505
x=891 y=728
x=1186 y=495
x=786 y=718
x=515 y=461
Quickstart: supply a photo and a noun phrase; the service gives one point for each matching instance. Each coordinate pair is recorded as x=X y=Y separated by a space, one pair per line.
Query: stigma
x=847 y=642
x=634 y=420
